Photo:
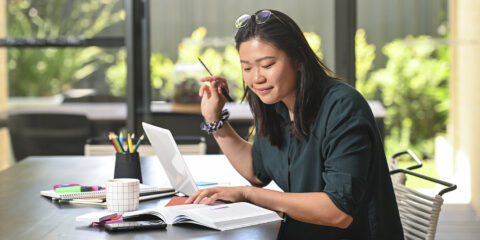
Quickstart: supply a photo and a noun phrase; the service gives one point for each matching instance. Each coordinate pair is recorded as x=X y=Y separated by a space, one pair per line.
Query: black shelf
x=137 y=44
x=62 y=42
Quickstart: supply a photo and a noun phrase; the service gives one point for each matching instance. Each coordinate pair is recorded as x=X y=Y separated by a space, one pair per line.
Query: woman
x=315 y=137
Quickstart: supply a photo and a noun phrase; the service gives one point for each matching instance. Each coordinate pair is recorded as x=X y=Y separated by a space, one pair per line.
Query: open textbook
x=221 y=217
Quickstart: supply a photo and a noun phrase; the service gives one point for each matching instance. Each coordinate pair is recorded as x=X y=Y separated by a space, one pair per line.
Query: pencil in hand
x=224 y=92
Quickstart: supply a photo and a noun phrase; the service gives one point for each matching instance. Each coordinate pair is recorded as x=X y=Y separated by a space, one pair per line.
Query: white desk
x=210 y=168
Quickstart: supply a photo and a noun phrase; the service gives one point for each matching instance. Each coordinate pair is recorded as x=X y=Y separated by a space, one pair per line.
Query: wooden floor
x=458 y=222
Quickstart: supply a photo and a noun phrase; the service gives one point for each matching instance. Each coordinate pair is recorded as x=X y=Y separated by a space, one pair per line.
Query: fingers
x=189 y=199
x=209 y=89
x=223 y=82
x=210 y=200
x=204 y=196
x=216 y=81
x=200 y=197
x=213 y=79
x=196 y=197
x=204 y=89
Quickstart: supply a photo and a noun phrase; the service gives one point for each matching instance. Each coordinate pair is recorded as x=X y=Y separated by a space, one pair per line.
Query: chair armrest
x=413 y=156
x=450 y=186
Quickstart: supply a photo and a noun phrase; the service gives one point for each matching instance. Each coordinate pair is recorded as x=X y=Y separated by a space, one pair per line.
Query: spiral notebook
x=102 y=193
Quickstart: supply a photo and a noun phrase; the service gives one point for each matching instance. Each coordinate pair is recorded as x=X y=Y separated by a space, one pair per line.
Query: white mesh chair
x=418 y=212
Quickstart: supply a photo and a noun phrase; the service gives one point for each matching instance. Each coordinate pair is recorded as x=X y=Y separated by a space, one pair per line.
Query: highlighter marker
x=65 y=185
x=78 y=189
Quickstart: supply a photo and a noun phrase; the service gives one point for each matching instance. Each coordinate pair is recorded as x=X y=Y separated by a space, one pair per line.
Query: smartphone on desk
x=135 y=225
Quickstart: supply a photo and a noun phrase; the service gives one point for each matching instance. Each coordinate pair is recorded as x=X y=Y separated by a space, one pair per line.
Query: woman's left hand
x=210 y=195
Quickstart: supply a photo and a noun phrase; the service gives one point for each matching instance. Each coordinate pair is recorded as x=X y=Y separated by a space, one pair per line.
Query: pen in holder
x=127 y=165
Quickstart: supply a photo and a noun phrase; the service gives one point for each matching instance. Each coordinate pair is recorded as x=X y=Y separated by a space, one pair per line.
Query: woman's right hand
x=212 y=98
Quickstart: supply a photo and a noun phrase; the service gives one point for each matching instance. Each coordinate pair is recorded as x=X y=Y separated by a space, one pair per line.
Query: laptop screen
x=172 y=161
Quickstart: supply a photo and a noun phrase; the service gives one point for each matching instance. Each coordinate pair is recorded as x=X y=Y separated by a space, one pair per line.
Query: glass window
x=57 y=74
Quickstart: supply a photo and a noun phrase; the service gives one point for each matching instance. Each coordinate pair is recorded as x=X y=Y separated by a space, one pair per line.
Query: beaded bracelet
x=212 y=127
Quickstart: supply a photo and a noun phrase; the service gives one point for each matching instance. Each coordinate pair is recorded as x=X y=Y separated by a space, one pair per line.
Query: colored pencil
x=138 y=143
x=130 y=145
x=120 y=137
x=120 y=147
x=113 y=142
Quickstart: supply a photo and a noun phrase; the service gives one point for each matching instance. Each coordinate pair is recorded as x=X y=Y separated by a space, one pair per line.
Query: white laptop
x=172 y=161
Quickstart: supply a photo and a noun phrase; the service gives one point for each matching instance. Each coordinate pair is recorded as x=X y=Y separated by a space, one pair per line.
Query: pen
x=224 y=92
x=78 y=189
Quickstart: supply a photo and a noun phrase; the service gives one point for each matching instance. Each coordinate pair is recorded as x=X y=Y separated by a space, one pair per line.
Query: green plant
x=364 y=56
x=428 y=169
x=165 y=80
x=186 y=81
x=414 y=90
x=315 y=43
x=49 y=71
x=161 y=68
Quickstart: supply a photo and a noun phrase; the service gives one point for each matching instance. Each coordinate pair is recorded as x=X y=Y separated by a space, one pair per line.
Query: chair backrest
x=419 y=212
x=393 y=165
x=179 y=124
x=188 y=124
x=47 y=134
x=108 y=150
x=184 y=128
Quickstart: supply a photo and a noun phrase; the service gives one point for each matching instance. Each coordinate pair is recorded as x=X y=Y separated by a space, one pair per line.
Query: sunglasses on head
x=260 y=18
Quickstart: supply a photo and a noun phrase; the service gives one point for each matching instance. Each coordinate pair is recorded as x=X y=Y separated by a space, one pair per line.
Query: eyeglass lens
x=260 y=18
x=242 y=21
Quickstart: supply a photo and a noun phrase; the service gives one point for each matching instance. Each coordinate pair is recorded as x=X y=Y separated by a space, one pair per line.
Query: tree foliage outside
x=413 y=87
x=50 y=71
x=173 y=84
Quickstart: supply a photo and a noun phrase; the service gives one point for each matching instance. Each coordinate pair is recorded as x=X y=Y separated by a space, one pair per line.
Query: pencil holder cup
x=127 y=165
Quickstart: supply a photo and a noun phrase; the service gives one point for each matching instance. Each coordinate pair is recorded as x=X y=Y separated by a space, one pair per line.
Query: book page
x=167 y=214
x=234 y=215
x=230 y=211
x=173 y=211
x=151 y=211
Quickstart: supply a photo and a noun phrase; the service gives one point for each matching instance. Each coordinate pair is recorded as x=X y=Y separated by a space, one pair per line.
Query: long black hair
x=284 y=33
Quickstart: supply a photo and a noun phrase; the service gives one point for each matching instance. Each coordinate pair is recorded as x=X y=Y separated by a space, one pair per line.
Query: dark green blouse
x=342 y=156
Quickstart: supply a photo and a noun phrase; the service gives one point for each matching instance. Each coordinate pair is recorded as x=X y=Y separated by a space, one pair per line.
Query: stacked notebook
x=99 y=197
